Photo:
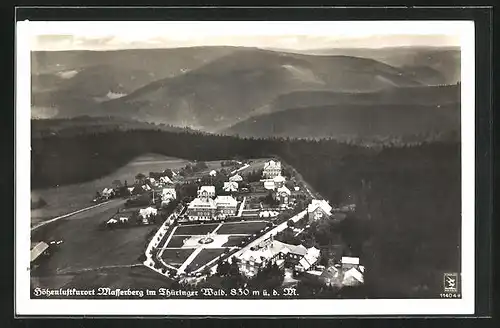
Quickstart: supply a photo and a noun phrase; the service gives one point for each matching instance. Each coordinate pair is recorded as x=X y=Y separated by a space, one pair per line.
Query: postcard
x=232 y=167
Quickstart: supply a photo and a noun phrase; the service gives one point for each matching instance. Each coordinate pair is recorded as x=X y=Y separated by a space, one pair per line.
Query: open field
x=66 y=199
x=205 y=256
x=175 y=257
x=87 y=247
x=248 y=227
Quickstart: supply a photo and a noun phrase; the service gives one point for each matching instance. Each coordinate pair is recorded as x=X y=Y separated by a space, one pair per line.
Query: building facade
x=271 y=169
x=226 y=206
x=279 y=181
x=282 y=195
x=206 y=191
x=201 y=209
x=168 y=194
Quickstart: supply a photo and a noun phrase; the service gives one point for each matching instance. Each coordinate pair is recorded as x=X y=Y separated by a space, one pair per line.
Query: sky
x=294 y=36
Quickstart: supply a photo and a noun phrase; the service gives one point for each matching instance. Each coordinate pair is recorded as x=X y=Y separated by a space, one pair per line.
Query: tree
x=234 y=269
x=269 y=277
x=140 y=177
x=116 y=184
x=168 y=173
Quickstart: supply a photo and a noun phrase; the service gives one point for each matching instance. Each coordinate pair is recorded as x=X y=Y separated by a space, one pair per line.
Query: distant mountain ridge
x=225 y=90
x=213 y=89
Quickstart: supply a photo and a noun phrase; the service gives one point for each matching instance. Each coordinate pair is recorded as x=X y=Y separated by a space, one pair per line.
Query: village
x=246 y=215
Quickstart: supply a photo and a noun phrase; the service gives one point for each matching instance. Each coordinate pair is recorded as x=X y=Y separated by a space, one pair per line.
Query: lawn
x=87 y=247
x=234 y=241
x=175 y=257
x=241 y=228
x=199 y=229
x=176 y=241
x=205 y=256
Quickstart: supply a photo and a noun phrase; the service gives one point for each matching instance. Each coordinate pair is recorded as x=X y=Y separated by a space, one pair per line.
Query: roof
x=283 y=189
x=202 y=203
x=230 y=185
x=266 y=252
x=38 y=250
x=322 y=204
x=226 y=200
x=168 y=190
x=208 y=189
x=148 y=211
x=165 y=179
x=330 y=273
x=310 y=258
x=269 y=185
x=213 y=173
x=272 y=165
x=350 y=260
x=300 y=249
x=279 y=178
x=112 y=220
x=352 y=274
x=236 y=177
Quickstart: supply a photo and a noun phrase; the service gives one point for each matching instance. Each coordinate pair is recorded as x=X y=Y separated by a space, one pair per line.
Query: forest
x=406 y=228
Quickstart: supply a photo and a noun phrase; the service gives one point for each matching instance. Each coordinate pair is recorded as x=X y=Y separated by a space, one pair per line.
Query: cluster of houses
x=274 y=181
x=348 y=272
x=272 y=251
x=303 y=261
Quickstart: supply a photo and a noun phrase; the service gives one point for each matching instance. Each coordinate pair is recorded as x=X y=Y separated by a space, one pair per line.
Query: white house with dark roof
x=202 y=209
x=226 y=206
x=271 y=169
x=206 y=191
x=319 y=209
x=168 y=194
x=283 y=195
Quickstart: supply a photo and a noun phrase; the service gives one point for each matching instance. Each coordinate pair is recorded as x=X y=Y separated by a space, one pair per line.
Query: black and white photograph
x=200 y=167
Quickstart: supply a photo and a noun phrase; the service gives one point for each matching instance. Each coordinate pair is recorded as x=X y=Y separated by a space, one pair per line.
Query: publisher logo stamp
x=450 y=282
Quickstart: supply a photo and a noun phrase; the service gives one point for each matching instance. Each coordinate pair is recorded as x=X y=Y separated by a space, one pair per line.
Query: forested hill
x=407 y=224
